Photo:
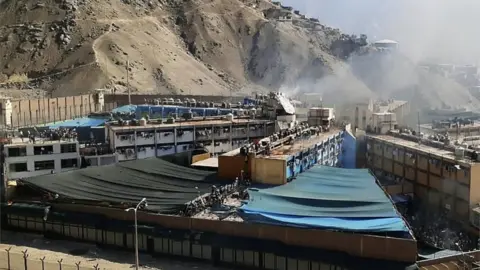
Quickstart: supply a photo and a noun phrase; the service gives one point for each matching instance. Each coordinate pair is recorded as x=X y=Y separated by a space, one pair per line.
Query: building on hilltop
x=386 y=44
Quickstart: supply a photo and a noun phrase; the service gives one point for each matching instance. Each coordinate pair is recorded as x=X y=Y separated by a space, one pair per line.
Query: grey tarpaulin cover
x=166 y=186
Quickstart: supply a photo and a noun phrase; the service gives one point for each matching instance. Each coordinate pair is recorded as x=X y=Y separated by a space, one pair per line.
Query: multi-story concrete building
x=441 y=176
x=216 y=135
x=286 y=158
x=455 y=129
x=27 y=159
x=400 y=108
x=360 y=114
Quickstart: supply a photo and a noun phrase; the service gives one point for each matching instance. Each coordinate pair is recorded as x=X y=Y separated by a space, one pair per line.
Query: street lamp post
x=142 y=202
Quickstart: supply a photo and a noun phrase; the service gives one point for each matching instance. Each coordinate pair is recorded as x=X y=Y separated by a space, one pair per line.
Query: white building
x=26 y=159
x=320 y=116
x=383 y=122
x=152 y=140
x=386 y=44
x=360 y=114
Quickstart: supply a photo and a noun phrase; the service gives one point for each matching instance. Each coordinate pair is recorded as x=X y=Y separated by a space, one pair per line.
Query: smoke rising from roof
x=438 y=30
x=429 y=29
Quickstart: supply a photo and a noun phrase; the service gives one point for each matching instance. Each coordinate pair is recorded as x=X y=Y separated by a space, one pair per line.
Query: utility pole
x=128 y=83
x=143 y=202
x=418 y=119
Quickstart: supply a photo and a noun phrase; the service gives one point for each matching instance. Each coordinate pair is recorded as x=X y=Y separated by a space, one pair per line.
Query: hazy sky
x=444 y=29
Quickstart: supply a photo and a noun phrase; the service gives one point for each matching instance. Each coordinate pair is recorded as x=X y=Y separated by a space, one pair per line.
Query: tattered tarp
x=166 y=186
x=79 y=122
x=286 y=104
x=326 y=197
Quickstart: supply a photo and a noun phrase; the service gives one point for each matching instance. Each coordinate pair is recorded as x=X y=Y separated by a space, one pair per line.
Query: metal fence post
x=25 y=256
x=60 y=264
x=8 y=257
x=43 y=262
x=78 y=265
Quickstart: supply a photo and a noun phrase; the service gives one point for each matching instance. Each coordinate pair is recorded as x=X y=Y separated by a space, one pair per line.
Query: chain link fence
x=14 y=260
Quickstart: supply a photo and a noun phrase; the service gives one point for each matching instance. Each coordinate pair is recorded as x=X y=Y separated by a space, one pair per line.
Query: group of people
x=217 y=196
x=69 y=134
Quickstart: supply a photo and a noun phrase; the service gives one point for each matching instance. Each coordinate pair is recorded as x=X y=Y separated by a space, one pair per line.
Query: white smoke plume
x=444 y=30
x=440 y=31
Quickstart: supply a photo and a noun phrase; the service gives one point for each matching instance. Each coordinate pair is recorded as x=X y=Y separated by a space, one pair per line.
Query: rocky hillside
x=165 y=46
x=201 y=47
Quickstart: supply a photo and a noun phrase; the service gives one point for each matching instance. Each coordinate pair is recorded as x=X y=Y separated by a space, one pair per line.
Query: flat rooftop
x=207 y=163
x=199 y=122
x=17 y=141
x=476 y=124
x=284 y=151
x=392 y=105
x=442 y=153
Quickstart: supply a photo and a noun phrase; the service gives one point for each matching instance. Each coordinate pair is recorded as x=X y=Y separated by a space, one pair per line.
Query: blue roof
x=326 y=197
x=79 y=122
x=125 y=109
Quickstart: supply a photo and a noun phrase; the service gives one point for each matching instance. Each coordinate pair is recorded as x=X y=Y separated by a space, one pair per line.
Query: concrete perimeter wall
x=48 y=110
x=15 y=260
x=358 y=245
x=30 y=112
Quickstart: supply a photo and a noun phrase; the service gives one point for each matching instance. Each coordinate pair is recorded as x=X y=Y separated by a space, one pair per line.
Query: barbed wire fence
x=11 y=260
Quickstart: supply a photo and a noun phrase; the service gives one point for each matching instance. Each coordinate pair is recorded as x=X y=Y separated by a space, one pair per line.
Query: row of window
x=44 y=165
x=41 y=150
x=169 y=246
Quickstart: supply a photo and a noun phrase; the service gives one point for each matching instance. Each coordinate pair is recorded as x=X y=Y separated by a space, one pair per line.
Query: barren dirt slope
x=165 y=46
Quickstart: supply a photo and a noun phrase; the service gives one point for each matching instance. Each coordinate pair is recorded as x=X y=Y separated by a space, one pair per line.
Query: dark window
x=43 y=150
x=69 y=163
x=17 y=152
x=18 y=167
x=68 y=148
x=44 y=165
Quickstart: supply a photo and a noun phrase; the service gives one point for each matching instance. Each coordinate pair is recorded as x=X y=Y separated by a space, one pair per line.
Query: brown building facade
x=435 y=176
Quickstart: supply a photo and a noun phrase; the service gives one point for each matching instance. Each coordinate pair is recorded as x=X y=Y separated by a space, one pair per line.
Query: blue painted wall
x=328 y=153
x=349 y=151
